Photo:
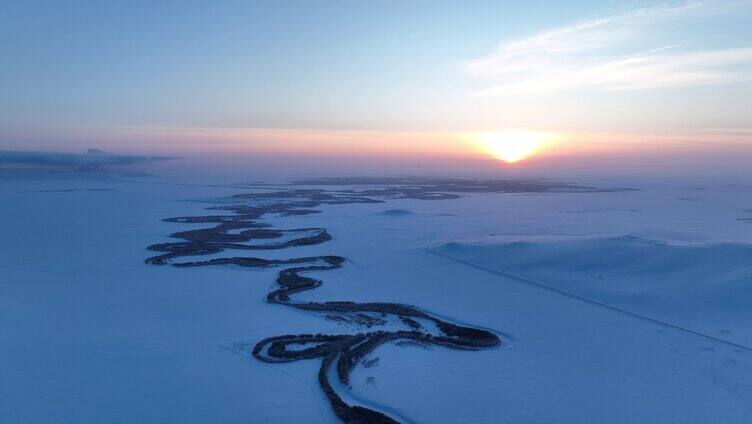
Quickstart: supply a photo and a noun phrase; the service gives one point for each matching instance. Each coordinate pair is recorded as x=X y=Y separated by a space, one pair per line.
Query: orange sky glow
x=520 y=146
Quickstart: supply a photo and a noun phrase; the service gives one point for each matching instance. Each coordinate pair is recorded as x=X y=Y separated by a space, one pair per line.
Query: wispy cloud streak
x=95 y=159
x=609 y=54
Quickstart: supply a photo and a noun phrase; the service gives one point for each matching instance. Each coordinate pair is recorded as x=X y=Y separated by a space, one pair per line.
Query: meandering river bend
x=237 y=225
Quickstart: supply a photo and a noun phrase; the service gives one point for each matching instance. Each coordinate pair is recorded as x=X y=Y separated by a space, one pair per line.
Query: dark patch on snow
x=397 y=212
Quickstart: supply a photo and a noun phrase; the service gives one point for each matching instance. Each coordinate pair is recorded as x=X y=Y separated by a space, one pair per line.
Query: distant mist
x=92 y=160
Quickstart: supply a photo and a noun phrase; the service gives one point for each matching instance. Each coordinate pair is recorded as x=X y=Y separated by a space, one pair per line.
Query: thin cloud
x=94 y=159
x=601 y=54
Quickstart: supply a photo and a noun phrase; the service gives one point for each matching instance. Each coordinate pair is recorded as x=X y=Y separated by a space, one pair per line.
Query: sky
x=380 y=79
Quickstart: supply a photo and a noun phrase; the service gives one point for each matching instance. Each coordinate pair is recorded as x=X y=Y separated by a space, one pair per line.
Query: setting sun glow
x=512 y=146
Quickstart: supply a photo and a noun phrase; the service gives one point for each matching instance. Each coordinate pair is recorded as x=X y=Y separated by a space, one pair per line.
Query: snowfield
x=91 y=334
x=704 y=287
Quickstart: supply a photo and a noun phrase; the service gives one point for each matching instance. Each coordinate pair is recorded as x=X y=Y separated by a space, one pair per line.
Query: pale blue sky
x=392 y=66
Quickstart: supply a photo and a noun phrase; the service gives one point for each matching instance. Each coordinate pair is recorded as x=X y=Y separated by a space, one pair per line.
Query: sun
x=513 y=145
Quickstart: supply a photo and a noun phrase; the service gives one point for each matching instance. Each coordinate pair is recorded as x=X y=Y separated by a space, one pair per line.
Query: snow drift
x=705 y=287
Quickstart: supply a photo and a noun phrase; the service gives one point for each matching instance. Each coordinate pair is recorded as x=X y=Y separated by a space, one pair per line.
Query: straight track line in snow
x=586 y=299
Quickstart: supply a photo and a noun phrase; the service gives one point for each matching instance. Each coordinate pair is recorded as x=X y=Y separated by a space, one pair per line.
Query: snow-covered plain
x=92 y=334
x=699 y=286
